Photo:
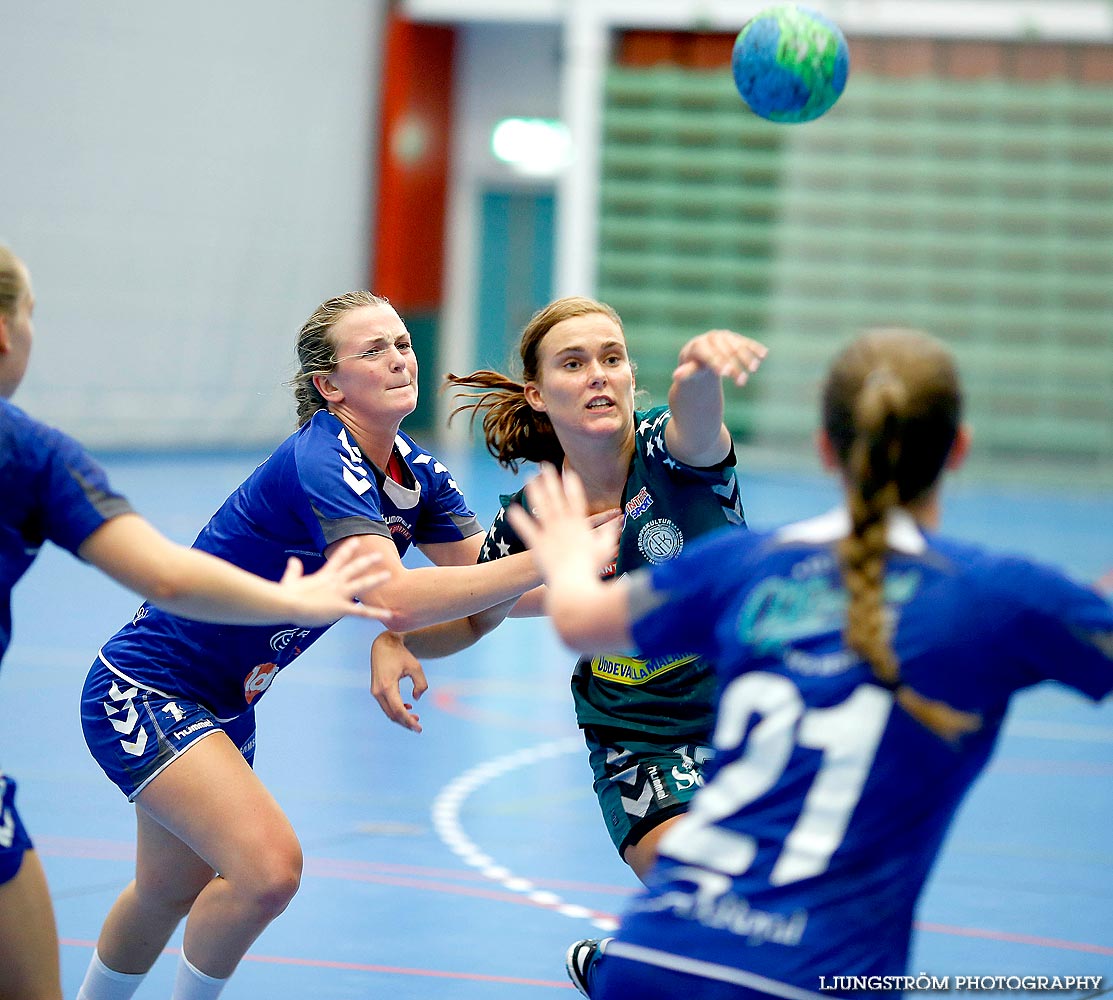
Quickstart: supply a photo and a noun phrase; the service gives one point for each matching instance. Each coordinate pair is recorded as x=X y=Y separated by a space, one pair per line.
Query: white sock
x=102 y=983
x=193 y=984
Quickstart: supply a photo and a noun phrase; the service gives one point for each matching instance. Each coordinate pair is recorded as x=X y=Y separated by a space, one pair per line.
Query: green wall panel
x=981 y=211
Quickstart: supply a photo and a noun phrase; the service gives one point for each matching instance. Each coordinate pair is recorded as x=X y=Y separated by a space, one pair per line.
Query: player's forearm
x=428 y=596
x=587 y=614
x=435 y=641
x=212 y=590
x=183 y=581
x=696 y=435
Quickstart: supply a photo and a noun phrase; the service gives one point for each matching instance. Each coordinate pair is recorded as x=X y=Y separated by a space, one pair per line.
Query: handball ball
x=790 y=63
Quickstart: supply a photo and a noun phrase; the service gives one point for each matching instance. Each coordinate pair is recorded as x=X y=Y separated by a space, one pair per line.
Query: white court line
x=446 y=821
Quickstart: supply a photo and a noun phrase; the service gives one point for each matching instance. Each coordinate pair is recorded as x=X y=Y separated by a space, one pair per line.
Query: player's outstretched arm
x=696 y=434
x=197 y=585
x=395 y=655
x=455 y=587
x=587 y=614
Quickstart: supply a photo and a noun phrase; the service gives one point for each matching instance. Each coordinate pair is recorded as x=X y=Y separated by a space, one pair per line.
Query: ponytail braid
x=876 y=457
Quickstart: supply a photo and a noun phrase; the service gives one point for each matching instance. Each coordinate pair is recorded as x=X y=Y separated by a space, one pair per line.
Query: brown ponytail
x=891 y=410
x=512 y=429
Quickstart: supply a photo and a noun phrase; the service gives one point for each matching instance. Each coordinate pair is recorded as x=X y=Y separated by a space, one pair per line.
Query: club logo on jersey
x=638 y=504
x=280 y=640
x=140 y=614
x=256 y=682
x=660 y=540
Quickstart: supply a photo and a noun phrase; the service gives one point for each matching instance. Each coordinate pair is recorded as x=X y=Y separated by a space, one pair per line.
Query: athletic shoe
x=578 y=959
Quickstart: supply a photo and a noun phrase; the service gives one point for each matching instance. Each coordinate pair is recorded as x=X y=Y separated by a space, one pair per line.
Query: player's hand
x=560 y=535
x=390 y=662
x=729 y=355
x=606 y=527
x=322 y=597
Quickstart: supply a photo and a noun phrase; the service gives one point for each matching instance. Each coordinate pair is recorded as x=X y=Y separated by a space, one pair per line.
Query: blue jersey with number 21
x=825 y=808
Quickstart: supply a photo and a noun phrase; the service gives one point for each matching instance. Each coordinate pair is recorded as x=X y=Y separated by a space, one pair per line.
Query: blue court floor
x=460 y=863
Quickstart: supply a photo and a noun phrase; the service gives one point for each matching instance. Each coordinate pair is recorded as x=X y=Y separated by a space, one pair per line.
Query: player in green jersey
x=668 y=472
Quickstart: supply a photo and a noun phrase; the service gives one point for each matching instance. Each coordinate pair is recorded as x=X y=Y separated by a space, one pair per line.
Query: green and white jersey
x=665 y=504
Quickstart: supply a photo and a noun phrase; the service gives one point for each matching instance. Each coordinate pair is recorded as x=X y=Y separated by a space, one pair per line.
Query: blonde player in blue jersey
x=51 y=490
x=866 y=664
x=168 y=707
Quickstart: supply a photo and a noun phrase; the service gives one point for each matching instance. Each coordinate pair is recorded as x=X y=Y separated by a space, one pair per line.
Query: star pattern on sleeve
x=655 y=447
x=501 y=539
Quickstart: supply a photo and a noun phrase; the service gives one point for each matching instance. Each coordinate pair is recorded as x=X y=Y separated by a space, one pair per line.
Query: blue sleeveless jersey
x=50 y=490
x=314 y=490
x=825 y=808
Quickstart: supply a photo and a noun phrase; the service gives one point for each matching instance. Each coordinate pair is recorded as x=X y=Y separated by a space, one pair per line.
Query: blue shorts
x=13 y=835
x=135 y=732
x=641 y=782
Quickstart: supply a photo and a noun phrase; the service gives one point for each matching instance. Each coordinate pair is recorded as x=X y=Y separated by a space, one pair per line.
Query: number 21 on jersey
x=847 y=734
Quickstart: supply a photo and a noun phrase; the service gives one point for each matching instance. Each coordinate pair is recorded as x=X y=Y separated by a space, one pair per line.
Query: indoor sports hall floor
x=460 y=863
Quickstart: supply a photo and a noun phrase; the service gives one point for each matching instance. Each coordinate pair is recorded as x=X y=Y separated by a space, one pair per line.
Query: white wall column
x=586 y=39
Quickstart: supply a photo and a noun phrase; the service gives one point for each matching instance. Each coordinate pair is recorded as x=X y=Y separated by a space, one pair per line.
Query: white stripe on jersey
x=710 y=970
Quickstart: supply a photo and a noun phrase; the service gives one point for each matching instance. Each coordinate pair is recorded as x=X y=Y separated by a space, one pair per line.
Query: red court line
x=336 y=867
x=450 y=703
x=352 y=870
x=85 y=847
x=401 y=971
x=120 y=850
x=453 y=890
x=1042 y=942
x=320 y=963
x=450 y=698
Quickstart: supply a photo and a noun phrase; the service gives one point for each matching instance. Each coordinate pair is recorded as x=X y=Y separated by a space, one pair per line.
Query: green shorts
x=641 y=782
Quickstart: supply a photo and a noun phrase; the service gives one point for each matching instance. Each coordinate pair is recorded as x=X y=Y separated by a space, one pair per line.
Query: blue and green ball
x=790 y=63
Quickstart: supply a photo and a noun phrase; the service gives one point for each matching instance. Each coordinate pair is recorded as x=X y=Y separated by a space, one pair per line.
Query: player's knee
x=276 y=879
